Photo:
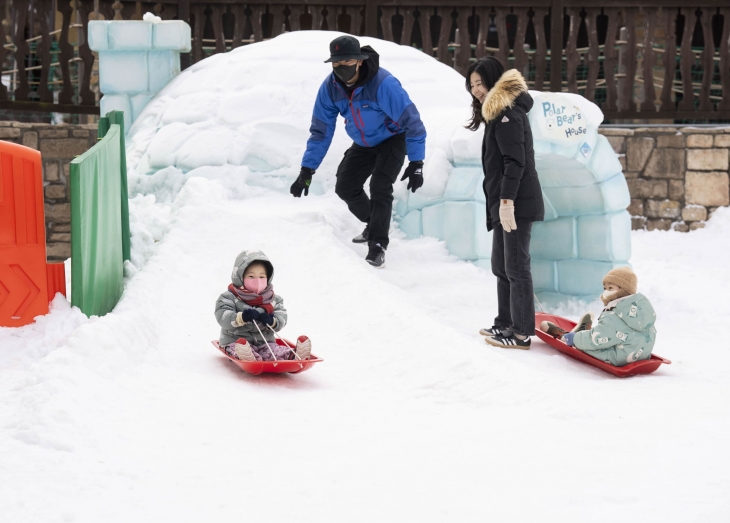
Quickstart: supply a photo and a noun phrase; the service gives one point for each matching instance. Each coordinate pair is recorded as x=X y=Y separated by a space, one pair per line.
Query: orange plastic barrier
x=27 y=282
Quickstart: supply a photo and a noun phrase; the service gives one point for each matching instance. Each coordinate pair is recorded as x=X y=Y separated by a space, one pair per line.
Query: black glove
x=302 y=183
x=414 y=173
x=266 y=319
x=250 y=315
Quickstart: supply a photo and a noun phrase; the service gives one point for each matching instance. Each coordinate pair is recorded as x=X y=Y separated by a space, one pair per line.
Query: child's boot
x=585 y=323
x=243 y=350
x=552 y=329
x=304 y=347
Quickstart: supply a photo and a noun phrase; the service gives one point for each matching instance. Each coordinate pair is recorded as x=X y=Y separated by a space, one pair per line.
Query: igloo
x=586 y=231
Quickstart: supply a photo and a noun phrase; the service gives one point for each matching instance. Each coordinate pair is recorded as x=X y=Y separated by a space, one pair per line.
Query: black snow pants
x=383 y=162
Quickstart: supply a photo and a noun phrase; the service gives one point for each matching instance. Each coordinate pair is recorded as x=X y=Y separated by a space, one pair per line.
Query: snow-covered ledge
x=136 y=60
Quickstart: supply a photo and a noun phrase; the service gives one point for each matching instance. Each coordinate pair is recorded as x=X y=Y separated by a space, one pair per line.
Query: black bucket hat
x=345 y=48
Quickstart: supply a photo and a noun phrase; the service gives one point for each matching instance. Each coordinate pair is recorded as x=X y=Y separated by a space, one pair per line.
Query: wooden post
x=371 y=18
x=556 y=46
x=183 y=13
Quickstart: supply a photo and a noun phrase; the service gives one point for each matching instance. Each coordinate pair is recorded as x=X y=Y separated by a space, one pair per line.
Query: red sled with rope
x=632 y=369
x=277 y=366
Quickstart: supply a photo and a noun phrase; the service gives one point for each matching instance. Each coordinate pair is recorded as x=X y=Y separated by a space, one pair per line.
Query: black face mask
x=345 y=72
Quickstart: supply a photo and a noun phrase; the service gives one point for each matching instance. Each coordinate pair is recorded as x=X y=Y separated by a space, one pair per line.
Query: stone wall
x=677 y=176
x=58 y=144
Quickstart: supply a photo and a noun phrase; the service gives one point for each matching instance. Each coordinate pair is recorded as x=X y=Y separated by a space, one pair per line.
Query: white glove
x=507 y=215
x=239 y=320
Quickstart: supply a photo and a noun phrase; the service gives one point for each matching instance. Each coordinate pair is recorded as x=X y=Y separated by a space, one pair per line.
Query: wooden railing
x=643 y=59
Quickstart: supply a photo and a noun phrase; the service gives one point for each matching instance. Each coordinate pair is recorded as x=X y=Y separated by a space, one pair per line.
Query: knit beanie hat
x=623 y=278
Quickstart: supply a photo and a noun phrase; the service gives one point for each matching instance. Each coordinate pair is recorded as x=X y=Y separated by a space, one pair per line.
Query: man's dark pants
x=383 y=162
x=511 y=266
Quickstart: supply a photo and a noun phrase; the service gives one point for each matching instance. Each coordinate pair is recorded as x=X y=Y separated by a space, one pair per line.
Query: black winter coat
x=508 y=157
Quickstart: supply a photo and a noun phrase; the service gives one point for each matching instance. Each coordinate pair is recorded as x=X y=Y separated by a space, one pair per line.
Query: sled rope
x=265 y=342
x=538 y=303
x=296 y=356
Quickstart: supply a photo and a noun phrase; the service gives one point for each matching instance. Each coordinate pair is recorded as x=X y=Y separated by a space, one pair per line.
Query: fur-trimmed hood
x=504 y=94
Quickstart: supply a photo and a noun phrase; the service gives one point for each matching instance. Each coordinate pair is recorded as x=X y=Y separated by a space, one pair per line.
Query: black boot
x=362 y=237
x=376 y=256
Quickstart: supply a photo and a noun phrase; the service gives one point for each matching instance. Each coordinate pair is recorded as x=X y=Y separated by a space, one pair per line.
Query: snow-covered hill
x=412 y=417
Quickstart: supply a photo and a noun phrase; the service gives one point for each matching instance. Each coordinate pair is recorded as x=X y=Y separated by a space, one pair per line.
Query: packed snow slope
x=411 y=417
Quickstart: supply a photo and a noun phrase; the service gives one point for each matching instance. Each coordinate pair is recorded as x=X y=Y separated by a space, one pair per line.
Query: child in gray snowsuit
x=249 y=313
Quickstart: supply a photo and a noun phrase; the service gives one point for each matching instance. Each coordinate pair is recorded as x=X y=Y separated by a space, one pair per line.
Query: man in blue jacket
x=384 y=124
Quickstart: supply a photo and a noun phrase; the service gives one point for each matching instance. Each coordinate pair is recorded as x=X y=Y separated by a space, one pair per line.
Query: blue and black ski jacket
x=373 y=112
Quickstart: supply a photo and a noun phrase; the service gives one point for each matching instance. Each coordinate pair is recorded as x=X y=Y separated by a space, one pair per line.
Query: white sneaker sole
x=244 y=352
x=304 y=350
x=501 y=346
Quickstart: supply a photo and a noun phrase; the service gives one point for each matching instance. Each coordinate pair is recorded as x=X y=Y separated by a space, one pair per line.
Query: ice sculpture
x=136 y=60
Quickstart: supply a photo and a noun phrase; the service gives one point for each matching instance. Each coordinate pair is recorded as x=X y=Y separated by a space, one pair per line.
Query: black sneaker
x=376 y=256
x=509 y=342
x=493 y=330
x=363 y=236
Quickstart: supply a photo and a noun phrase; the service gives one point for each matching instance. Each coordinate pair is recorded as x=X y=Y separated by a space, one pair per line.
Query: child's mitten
x=568 y=338
x=267 y=319
x=250 y=315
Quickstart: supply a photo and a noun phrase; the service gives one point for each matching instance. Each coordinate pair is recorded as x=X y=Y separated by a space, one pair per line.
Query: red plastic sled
x=272 y=367
x=632 y=369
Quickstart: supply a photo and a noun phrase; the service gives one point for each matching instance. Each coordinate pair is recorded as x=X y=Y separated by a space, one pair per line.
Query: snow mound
x=244 y=116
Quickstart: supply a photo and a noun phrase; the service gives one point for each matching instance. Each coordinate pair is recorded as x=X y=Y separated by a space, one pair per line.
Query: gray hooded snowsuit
x=228 y=305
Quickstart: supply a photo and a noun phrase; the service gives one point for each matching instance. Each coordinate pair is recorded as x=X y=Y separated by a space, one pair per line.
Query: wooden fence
x=642 y=60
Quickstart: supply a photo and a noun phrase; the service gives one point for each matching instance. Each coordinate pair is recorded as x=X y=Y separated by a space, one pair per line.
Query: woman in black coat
x=512 y=189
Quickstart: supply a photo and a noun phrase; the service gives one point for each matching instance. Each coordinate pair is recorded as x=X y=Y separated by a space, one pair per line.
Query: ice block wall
x=136 y=60
x=587 y=230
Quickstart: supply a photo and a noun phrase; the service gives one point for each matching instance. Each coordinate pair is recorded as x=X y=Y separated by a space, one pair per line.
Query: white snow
x=411 y=417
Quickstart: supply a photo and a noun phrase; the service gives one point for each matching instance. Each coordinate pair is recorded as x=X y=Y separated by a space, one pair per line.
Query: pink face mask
x=255 y=285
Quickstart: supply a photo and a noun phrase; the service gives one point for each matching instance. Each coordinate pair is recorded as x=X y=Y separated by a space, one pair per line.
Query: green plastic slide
x=97 y=231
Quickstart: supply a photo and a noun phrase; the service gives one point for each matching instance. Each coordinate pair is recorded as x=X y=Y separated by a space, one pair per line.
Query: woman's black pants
x=511 y=266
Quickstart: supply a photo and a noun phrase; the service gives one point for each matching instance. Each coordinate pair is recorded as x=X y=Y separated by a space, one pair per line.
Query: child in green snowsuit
x=625 y=330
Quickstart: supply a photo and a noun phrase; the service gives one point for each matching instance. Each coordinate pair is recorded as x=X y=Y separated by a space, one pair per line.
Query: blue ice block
x=583 y=277
x=401 y=206
x=117 y=102
x=411 y=224
x=606 y=197
x=550 y=212
x=553 y=171
x=130 y=35
x=171 y=34
x=544 y=274
x=123 y=72
x=433 y=221
x=604 y=162
x=465 y=183
x=483 y=237
x=550 y=300
x=483 y=263
x=138 y=101
x=163 y=67
x=586 y=147
x=460 y=228
x=417 y=201
x=542 y=147
x=554 y=240
x=97 y=35
x=605 y=237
